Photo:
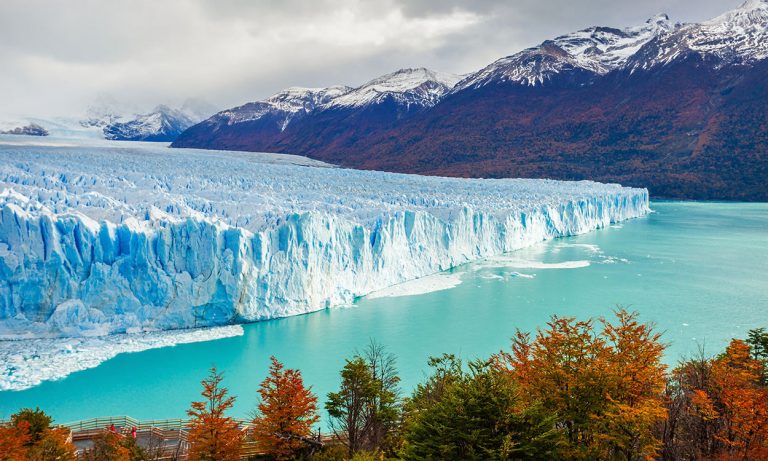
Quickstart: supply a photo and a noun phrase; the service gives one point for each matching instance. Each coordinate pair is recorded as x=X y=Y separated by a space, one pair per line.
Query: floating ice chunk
x=428 y=284
x=520 y=263
x=27 y=363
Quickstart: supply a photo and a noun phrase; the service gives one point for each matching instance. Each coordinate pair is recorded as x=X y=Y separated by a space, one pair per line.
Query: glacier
x=106 y=239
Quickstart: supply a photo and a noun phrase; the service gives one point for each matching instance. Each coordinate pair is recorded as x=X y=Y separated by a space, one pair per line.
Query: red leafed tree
x=286 y=413
x=744 y=403
x=213 y=436
x=13 y=441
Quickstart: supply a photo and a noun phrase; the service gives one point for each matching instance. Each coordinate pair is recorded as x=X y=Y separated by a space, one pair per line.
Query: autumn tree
x=718 y=407
x=37 y=421
x=688 y=432
x=743 y=403
x=605 y=384
x=286 y=413
x=54 y=445
x=213 y=436
x=107 y=446
x=40 y=441
x=14 y=439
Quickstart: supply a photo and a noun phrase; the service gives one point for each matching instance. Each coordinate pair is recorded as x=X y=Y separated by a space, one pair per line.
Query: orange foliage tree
x=286 y=413
x=605 y=385
x=13 y=441
x=54 y=445
x=742 y=402
x=213 y=436
x=30 y=437
x=107 y=446
x=718 y=407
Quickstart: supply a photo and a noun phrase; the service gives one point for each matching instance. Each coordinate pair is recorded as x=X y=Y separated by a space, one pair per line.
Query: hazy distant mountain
x=163 y=123
x=679 y=108
x=33 y=129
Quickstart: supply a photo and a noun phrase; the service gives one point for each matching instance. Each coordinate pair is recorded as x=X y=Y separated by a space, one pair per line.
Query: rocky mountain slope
x=679 y=108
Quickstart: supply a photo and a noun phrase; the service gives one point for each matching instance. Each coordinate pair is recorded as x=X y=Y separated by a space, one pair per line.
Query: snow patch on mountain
x=162 y=124
x=123 y=122
x=597 y=50
x=408 y=87
x=284 y=107
x=737 y=36
x=97 y=240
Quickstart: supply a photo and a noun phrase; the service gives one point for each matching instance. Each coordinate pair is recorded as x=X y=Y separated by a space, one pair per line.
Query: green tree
x=757 y=340
x=352 y=409
x=475 y=415
x=38 y=421
x=386 y=401
x=138 y=453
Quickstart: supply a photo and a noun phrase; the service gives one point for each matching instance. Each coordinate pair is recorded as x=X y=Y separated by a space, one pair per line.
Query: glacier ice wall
x=97 y=240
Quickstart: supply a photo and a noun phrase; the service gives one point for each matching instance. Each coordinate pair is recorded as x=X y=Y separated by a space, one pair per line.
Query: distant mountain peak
x=595 y=50
x=410 y=86
x=736 y=36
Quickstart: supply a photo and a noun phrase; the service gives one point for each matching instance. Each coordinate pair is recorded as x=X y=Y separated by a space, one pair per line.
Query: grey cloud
x=57 y=56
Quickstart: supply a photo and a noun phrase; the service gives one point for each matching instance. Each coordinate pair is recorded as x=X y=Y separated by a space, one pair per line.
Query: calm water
x=699 y=270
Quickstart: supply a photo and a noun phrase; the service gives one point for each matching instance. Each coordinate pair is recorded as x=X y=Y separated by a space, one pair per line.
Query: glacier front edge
x=97 y=240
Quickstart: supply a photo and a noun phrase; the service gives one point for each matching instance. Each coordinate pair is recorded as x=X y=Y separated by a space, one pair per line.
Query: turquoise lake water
x=698 y=270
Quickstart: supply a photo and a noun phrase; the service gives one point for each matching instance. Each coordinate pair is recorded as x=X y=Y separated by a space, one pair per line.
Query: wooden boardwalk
x=166 y=438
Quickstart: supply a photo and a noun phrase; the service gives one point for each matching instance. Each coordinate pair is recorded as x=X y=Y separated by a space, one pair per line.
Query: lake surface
x=698 y=270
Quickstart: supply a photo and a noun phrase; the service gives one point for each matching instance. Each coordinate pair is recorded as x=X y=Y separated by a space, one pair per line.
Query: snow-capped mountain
x=283 y=107
x=332 y=113
x=407 y=87
x=122 y=122
x=162 y=124
x=678 y=108
x=594 y=51
x=736 y=37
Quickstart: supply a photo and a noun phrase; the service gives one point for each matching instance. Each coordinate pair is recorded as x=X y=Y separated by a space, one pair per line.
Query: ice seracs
x=98 y=240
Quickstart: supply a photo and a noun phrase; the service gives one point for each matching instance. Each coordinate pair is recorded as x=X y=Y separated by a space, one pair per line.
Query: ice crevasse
x=98 y=240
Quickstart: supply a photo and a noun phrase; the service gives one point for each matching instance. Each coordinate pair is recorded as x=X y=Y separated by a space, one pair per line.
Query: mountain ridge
x=653 y=105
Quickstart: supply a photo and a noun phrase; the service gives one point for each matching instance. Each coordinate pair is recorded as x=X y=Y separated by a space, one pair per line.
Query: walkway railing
x=126 y=421
x=172 y=430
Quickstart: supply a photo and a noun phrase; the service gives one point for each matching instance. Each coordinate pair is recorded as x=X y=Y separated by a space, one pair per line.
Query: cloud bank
x=57 y=57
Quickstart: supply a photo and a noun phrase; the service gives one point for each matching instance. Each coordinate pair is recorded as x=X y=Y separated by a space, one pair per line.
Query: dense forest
x=574 y=390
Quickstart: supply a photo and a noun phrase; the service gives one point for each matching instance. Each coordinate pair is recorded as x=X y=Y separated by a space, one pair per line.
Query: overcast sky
x=57 y=57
